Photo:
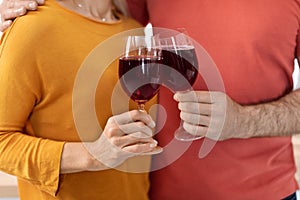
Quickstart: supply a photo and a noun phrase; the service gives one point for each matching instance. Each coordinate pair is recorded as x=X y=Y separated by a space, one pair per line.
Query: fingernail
x=152 y=145
x=152 y=124
x=32 y=5
x=7 y=23
x=40 y=2
x=21 y=11
x=175 y=97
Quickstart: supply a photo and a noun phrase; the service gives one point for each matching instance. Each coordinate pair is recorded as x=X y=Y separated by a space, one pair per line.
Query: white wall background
x=296 y=75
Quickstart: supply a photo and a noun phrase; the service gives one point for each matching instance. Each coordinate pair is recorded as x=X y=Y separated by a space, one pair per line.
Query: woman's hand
x=10 y=9
x=211 y=114
x=125 y=135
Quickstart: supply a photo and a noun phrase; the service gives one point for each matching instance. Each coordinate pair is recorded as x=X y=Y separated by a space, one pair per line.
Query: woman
x=39 y=142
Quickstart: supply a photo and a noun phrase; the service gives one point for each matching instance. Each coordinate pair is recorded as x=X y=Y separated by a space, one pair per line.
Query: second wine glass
x=181 y=68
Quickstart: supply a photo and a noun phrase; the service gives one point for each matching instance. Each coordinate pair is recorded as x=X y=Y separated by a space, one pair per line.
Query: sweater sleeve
x=30 y=158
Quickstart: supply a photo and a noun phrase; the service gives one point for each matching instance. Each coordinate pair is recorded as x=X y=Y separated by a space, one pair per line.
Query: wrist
x=247 y=121
x=90 y=162
x=76 y=158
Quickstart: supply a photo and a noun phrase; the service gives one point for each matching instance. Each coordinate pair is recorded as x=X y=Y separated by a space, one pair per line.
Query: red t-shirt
x=253 y=44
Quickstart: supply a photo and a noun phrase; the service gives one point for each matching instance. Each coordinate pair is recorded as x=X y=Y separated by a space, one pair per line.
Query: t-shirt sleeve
x=138 y=10
x=298 y=45
x=29 y=158
x=298 y=37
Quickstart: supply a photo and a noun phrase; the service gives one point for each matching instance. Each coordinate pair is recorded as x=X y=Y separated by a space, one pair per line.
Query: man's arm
x=278 y=118
x=217 y=116
x=10 y=9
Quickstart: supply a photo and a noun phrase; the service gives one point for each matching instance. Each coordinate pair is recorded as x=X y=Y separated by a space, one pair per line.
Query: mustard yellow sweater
x=40 y=57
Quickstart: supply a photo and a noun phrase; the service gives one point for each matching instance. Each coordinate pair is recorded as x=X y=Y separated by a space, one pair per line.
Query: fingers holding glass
x=195 y=119
x=131 y=132
x=133 y=116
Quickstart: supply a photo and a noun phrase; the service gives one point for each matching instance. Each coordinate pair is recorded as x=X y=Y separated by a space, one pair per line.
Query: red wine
x=183 y=68
x=140 y=77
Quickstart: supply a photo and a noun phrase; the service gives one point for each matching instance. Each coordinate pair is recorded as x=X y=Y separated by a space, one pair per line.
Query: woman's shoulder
x=34 y=22
x=47 y=16
x=33 y=30
x=36 y=26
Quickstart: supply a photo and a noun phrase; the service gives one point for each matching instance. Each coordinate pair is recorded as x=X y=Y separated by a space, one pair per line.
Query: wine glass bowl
x=139 y=69
x=183 y=68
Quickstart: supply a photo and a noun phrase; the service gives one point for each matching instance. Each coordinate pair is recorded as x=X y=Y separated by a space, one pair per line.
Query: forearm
x=277 y=118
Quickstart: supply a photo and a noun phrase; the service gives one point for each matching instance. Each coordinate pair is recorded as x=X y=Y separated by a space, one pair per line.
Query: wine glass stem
x=141 y=107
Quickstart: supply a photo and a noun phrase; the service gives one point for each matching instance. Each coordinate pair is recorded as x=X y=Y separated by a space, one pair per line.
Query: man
x=253 y=44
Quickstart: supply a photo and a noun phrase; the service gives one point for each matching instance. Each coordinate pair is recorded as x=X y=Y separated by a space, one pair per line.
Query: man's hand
x=10 y=9
x=210 y=114
x=216 y=116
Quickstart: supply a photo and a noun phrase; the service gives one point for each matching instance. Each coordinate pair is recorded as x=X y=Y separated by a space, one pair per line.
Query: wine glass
x=139 y=71
x=181 y=68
